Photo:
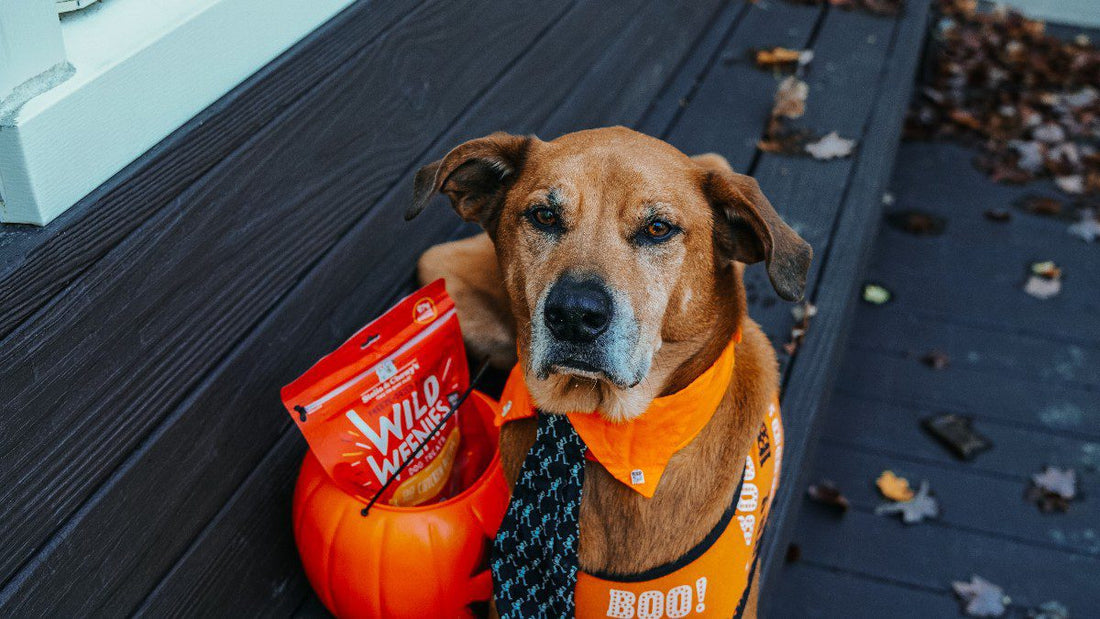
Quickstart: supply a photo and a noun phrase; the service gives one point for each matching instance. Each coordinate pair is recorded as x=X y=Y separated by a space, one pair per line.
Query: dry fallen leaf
x=790 y=98
x=1088 y=229
x=802 y=314
x=1053 y=489
x=1049 y=610
x=1042 y=288
x=778 y=57
x=1045 y=280
x=1073 y=184
x=1046 y=269
x=918 y=223
x=981 y=598
x=826 y=493
x=957 y=434
x=915 y=510
x=1041 y=205
x=936 y=359
x=893 y=487
x=876 y=295
x=832 y=146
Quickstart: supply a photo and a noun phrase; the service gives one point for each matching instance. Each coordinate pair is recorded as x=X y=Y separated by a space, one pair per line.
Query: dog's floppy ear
x=755 y=231
x=473 y=175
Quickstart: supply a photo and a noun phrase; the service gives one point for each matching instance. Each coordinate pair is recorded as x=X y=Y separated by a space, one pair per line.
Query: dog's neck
x=692 y=357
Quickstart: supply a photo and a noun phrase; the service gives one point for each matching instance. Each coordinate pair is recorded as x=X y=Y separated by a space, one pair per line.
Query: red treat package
x=366 y=406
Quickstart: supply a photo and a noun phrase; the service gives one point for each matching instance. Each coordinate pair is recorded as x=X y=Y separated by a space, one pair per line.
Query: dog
x=609 y=273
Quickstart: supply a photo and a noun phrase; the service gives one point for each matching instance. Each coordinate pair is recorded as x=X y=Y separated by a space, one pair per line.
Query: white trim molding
x=30 y=43
x=139 y=70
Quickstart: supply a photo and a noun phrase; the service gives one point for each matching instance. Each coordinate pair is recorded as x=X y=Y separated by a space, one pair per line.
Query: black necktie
x=534 y=558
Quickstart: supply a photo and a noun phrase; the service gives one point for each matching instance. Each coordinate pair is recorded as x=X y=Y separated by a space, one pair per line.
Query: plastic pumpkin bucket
x=424 y=561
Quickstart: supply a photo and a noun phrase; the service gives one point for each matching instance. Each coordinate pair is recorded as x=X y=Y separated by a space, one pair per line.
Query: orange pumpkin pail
x=424 y=561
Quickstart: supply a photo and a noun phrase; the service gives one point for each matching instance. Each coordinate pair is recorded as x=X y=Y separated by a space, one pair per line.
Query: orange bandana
x=636 y=452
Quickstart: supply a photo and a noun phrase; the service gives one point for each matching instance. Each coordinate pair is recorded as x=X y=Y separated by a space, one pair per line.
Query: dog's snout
x=578 y=311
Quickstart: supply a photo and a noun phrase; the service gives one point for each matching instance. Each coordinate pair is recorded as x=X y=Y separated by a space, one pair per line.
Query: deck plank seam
x=917 y=405
x=934 y=316
x=715 y=55
x=682 y=65
x=948 y=466
x=1022 y=375
x=835 y=569
x=10 y=586
x=849 y=180
x=9 y=274
x=995 y=535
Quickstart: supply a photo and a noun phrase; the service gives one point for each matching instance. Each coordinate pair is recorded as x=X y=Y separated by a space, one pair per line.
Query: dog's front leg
x=475 y=283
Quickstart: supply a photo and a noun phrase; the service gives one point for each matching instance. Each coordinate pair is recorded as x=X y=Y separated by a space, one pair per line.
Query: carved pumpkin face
x=425 y=561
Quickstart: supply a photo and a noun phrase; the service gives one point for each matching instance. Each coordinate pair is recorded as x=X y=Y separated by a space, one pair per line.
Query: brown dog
x=612 y=264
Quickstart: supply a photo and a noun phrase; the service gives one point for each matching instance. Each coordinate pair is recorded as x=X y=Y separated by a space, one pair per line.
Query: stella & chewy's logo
x=424 y=311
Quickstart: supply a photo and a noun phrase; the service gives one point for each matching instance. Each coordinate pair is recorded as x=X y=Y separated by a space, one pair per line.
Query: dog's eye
x=657 y=231
x=544 y=217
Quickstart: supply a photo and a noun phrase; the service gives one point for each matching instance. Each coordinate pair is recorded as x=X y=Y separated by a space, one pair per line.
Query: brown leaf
x=936 y=359
x=826 y=493
x=893 y=487
x=1041 y=205
x=957 y=434
x=790 y=98
x=777 y=57
x=919 y=223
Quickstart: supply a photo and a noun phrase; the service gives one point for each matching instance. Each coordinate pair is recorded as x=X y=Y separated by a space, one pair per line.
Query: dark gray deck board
x=829 y=592
x=979 y=279
x=809 y=379
x=190 y=326
x=187 y=311
x=191 y=575
x=1025 y=370
x=988 y=350
x=894 y=429
x=1030 y=402
x=36 y=264
x=931 y=556
x=728 y=110
x=973 y=502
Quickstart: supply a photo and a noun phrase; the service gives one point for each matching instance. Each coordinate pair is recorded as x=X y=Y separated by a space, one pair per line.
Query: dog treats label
x=369 y=405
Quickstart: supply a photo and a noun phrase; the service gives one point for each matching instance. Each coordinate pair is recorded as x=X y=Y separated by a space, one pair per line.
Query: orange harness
x=712 y=579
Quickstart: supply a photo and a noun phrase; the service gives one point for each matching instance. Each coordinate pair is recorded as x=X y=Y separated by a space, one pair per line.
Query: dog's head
x=613 y=245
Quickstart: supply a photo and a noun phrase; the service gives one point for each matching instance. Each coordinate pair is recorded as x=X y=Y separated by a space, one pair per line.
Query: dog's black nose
x=577 y=311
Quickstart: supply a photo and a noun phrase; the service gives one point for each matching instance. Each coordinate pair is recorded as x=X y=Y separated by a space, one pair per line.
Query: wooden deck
x=1027 y=371
x=145 y=334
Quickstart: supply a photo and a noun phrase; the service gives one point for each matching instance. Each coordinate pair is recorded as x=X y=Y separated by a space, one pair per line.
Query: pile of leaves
x=1028 y=99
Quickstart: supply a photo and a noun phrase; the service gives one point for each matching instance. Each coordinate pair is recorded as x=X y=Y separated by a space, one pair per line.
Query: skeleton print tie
x=534 y=558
